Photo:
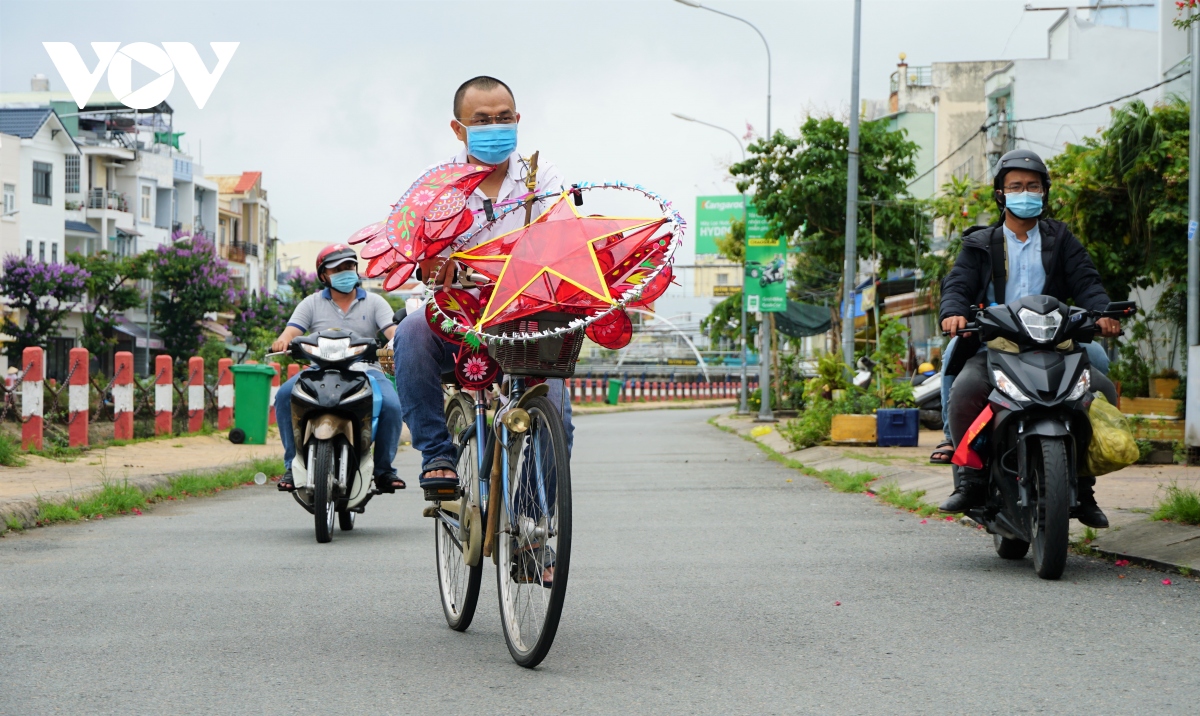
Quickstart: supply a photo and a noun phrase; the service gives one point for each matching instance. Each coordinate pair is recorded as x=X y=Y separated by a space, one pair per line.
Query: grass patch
x=116 y=498
x=843 y=481
x=909 y=500
x=13 y=523
x=1083 y=545
x=1182 y=504
x=10 y=451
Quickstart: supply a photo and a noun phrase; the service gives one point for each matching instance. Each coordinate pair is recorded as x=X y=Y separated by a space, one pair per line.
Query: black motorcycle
x=333 y=406
x=1039 y=432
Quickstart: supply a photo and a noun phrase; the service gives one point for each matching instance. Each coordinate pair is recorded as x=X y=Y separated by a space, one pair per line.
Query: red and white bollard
x=224 y=394
x=195 y=394
x=274 y=391
x=122 y=395
x=33 y=362
x=293 y=370
x=77 y=398
x=164 y=394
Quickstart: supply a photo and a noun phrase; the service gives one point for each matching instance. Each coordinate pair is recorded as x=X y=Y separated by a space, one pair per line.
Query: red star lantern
x=553 y=262
x=427 y=219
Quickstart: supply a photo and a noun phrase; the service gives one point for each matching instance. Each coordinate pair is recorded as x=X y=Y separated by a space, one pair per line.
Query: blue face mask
x=344 y=281
x=1024 y=204
x=492 y=143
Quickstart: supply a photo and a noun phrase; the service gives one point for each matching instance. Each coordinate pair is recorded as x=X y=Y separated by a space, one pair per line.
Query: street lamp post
x=743 y=402
x=764 y=412
x=851 y=202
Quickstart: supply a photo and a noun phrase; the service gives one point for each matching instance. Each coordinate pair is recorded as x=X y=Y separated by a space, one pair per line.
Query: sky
x=342 y=104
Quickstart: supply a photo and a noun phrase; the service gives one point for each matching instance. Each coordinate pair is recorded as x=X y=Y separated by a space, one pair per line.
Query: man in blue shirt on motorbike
x=1023 y=254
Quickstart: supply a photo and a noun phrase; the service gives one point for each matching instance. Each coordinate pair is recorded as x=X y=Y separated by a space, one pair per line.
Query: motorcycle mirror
x=1124 y=308
x=260 y=478
x=399 y=315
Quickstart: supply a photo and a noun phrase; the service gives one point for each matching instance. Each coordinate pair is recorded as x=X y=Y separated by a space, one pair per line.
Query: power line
x=984 y=128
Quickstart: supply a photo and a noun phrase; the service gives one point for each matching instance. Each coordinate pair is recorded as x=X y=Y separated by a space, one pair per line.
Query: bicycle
x=514 y=498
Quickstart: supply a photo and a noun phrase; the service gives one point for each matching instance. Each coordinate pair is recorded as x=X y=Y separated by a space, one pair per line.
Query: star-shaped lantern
x=427 y=219
x=552 y=262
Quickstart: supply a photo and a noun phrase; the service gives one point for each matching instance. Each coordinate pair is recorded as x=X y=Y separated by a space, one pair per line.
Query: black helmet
x=1021 y=159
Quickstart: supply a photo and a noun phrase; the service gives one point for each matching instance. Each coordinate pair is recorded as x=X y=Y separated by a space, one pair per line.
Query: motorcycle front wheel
x=324 y=474
x=1052 y=516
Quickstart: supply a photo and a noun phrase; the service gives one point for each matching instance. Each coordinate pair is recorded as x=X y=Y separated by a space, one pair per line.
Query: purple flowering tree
x=44 y=293
x=190 y=280
x=261 y=316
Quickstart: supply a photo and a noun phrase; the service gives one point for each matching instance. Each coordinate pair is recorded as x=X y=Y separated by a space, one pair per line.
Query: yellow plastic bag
x=1113 y=446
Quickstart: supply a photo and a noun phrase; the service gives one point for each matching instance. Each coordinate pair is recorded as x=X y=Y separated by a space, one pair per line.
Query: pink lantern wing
x=382 y=264
x=367 y=233
x=657 y=287
x=398 y=275
x=377 y=246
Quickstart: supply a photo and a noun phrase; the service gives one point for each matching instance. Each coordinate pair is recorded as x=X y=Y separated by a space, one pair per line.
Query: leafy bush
x=811 y=427
x=1182 y=504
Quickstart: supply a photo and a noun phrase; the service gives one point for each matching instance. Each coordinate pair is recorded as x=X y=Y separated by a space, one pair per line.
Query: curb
x=27 y=510
x=629 y=407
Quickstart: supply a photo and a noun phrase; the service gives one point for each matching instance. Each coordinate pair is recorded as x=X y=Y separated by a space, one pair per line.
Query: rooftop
x=24 y=122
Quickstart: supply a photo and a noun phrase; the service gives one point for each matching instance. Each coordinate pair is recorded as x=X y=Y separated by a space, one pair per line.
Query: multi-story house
x=244 y=227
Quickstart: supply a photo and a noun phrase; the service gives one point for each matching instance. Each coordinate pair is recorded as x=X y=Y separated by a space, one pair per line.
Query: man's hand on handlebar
x=954 y=324
x=1108 y=327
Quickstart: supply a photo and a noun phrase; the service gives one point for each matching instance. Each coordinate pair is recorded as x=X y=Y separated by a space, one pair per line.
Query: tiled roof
x=248 y=179
x=80 y=227
x=23 y=123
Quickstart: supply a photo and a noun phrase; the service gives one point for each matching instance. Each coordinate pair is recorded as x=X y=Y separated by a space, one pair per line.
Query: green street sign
x=712 y=220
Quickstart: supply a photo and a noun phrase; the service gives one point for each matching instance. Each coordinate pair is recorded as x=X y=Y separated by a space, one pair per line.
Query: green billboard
x=712 y=220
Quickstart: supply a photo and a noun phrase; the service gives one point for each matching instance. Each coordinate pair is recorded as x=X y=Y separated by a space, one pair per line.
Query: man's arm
x=959 y=290
x=285 y=339
x=1083 y=281
x=297 y=325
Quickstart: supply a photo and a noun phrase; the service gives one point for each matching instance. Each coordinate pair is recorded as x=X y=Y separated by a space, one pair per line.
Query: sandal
x=440 y=488
x=527 y=569
x=388 y=483
x=286 y=483
x=942 y=454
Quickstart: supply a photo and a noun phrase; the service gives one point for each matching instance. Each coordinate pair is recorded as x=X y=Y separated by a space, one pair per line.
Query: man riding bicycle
x=1024 y=254
x=485 y=121
x=345 y=305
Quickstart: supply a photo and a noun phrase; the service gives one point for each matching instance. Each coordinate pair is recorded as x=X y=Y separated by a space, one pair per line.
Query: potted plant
x=1163 y=383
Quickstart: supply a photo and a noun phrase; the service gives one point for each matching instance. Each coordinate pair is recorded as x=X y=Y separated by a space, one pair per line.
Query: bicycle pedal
x=442 y=494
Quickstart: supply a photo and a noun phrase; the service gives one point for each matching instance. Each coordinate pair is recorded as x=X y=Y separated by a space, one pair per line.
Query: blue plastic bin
x=897 y=427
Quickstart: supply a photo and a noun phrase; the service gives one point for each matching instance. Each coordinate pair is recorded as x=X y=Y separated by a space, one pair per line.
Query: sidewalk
x=144 y=464
x=1127 y=496
x=595 y=408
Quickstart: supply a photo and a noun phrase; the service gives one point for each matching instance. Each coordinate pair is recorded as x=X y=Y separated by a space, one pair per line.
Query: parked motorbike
x=927 y=393
x=1039 y=431
x=333 y=416
x=864 y=374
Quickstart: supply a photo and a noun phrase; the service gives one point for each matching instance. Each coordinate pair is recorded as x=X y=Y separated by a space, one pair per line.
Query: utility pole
x=1192 y=427
x=851 y=201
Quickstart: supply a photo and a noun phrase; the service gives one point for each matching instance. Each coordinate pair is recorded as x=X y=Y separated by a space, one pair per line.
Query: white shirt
x=512 y=188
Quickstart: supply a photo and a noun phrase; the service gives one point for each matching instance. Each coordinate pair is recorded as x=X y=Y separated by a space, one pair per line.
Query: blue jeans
x=387 y=430
x=421 y=359
x=1096 y=355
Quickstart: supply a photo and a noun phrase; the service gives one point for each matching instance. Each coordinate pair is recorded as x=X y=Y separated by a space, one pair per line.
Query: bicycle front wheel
x=534 y=540
x=458 y=528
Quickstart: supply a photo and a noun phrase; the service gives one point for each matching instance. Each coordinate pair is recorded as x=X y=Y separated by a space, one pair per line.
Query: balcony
x=235 y=253
x=100 y=199
x=245 y=249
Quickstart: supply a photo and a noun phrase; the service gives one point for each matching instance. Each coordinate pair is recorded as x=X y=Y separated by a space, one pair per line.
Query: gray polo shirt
x=368 y=315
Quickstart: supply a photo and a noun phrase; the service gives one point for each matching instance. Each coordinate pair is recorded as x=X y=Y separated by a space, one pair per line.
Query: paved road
x=702 y=582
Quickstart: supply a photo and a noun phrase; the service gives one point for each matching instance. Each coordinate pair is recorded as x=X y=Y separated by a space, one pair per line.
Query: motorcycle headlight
x=1082 y=386
x=1041 y=326
x=1009 y=387
x=333 y=349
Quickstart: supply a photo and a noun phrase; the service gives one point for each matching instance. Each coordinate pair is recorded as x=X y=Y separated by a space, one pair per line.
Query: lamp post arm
x=765 y=45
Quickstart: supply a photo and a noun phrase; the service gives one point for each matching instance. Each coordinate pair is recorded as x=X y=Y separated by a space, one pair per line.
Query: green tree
x=799 y=186
x=111 y=289
x=1124 y=194
x=189 y=281
x=962 y=203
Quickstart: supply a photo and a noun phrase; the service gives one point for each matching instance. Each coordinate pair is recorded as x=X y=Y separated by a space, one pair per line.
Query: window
x=147 y=205
x=41 y=182
x=10 y=198
x=54 y=252
x=71 y=174
x=722 y=279
x=29 y=249
x=42 y=251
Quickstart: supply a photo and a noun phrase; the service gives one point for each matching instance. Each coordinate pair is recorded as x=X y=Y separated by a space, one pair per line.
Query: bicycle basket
x=545 y=358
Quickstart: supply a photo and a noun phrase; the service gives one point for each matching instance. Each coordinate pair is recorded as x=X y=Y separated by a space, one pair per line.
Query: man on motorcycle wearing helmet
x=345 y=305
x=1023 y=254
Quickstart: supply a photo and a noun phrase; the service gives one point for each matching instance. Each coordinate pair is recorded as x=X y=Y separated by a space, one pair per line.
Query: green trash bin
x=614 y=390
x=251 y=403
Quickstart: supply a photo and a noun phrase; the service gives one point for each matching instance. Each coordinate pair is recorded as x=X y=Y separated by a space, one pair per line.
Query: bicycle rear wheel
x=534 y=540
x=458 y=527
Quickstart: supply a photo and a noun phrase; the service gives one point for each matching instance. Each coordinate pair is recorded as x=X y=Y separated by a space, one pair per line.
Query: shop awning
x=138 y=334
x=79 y=227
x=801 y=320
